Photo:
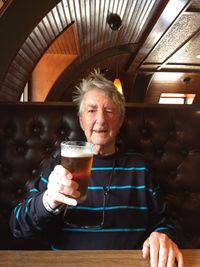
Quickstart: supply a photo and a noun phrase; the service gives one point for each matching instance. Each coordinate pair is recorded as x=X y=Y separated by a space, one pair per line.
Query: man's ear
x=80 y=121
x=121 y=121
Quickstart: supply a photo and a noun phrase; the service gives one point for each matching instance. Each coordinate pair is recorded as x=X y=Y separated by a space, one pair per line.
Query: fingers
x=63 y=183
x=60 y=198
x=179 y=258
x=171 y=258
x=154 y=251
x=59 y=169
x=165 y=257
x=162 y=251
x=174 y=256
x=62 y=188
x=68 y=188
x=146 y=249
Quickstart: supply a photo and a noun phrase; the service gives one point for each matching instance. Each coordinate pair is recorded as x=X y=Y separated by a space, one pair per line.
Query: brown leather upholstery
x=168 y=136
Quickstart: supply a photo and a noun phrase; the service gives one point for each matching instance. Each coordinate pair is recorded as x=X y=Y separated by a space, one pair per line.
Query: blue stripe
x=106 y=230
x=44 y=180
x=109 y=208
x=163 y=209
x=159 y=223
x=161 y=229
x=17 y=213
x=171 y=226
x=54 y=248
x=27 y=207
x=15 y=209
x=114 y=187
x=168 y=226
x=38 y=228
x=117 y=187
x=118 y=169
x=33 y=190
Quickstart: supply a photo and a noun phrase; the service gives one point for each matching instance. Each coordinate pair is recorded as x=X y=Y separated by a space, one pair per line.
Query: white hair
x=97 y=81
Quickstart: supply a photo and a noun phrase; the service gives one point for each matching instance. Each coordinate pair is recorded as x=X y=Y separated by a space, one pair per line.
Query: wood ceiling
x=155 y=49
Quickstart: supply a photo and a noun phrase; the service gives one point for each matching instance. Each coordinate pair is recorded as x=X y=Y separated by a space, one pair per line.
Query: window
x=24 y=95
x=175 y=98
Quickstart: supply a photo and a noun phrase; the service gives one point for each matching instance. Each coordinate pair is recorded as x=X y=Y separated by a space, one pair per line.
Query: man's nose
x=101 y=117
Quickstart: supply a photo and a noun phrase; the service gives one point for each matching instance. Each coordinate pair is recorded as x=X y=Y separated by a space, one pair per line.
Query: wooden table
x=75 y=258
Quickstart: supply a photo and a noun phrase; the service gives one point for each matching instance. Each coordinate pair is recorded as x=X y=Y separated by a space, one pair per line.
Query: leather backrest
x=168 y=136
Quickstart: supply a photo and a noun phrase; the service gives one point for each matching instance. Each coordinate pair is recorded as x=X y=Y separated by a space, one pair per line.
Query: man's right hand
x=62 y=189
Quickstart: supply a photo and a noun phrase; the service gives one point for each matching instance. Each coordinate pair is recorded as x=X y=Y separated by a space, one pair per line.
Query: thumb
x=146 y=249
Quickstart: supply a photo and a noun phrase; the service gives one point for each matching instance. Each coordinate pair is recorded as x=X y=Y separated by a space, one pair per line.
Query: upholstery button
x=144 y=131
x=34 y=171
x=172 y=133
x=62 y=132
x=48 y=149
x=159 y=152
x=5 y=170
x=173 y=173
x=36 y=129
x=184 y=152
x=187 y=193
x=9 y=131
x=19 y=191
x=20 y=149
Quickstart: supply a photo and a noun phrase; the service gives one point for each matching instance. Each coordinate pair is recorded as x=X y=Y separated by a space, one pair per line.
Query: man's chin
x=99 y=141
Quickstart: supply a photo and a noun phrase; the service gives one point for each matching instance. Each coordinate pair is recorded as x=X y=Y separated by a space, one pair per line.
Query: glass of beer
x=76 y=157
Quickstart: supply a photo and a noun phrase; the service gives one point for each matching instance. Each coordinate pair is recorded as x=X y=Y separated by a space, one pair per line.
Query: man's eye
x=109 y=110
x=91 y=110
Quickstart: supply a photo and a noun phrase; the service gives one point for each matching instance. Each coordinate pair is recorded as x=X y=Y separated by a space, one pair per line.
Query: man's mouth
x=100 y=131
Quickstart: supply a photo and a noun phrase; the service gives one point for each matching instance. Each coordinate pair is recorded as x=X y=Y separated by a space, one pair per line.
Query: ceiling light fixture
x=114 y=21
x=118 y=85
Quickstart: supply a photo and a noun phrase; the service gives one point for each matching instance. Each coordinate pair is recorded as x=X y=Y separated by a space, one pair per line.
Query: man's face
x=100 y=118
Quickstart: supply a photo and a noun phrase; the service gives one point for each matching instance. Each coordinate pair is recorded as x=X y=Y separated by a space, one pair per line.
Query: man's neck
x=105 y=151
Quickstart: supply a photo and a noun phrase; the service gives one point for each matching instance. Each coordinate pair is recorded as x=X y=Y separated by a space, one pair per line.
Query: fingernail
x=73 y=202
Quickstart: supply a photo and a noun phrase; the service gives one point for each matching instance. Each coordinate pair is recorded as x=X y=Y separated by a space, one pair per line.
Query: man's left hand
x=162 y=251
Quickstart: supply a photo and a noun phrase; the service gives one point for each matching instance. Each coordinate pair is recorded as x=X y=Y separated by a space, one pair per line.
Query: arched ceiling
x=155 y=36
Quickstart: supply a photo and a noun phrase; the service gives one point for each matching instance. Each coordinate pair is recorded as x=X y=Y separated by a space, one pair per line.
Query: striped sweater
x=122 y=197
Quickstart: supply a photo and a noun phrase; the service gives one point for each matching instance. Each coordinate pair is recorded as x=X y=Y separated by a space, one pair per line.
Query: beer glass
x=77 y=156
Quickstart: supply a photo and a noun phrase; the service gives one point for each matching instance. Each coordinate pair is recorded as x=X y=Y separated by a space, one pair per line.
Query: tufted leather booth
x=168 y=136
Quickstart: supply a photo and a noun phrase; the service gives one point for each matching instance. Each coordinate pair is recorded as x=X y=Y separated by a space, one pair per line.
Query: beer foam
x=75 y=154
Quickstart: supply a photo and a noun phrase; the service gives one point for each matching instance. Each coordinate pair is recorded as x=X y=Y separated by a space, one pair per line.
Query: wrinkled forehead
x=99 y=98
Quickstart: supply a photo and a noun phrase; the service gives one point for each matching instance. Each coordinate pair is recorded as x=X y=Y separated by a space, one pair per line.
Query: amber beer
x=77 y=156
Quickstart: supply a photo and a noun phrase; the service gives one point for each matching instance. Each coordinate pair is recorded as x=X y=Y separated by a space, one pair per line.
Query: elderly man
x=123 y=200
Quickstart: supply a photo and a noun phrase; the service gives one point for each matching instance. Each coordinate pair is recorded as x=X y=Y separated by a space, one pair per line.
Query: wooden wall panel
x=46 y=73
x=174 y=86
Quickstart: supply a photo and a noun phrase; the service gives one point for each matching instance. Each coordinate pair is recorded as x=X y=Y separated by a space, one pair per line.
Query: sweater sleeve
x=159 y=211
x=30 y=217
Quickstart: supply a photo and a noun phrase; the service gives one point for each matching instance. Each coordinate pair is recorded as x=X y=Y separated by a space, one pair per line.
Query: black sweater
x=134 y=207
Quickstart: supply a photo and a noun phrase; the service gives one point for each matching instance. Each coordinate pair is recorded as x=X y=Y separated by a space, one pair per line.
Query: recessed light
x=198 y=56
